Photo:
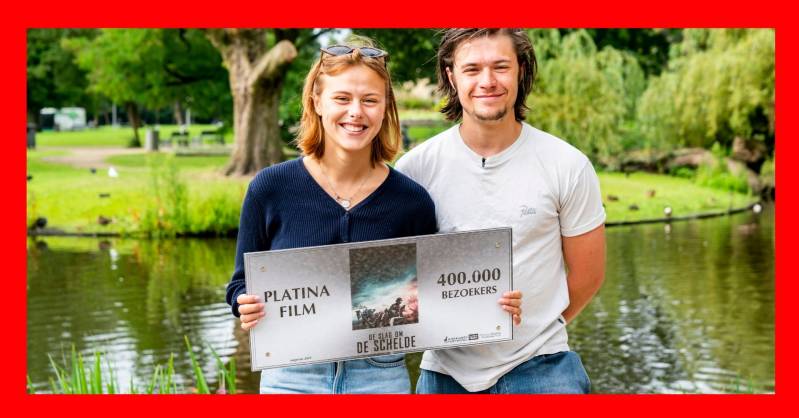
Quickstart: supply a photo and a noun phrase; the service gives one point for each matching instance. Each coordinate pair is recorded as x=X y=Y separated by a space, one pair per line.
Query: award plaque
x=370 y=298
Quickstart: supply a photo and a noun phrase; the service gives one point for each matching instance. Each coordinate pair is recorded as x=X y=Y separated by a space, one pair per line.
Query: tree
x=719 y=84
x=125 y=65
x=53 y=78
x=154 y=68
x=649 y=46
x=411 y=52
x=583 y=95
x=256 y=60
x=195 y=77
x=291 y=97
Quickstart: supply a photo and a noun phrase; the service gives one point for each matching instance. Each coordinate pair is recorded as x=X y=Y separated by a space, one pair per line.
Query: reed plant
x=74 y=375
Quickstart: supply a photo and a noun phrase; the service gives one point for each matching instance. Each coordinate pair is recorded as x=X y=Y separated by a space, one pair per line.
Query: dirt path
x=89 y=157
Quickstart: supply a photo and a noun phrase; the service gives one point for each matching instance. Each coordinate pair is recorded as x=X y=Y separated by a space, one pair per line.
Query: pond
x=685 y=308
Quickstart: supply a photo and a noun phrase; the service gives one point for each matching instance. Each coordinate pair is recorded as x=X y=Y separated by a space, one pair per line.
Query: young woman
x=340 y=190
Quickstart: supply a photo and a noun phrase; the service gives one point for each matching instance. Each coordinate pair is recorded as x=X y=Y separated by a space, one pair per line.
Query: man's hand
x=251 y=310
x=512 y=302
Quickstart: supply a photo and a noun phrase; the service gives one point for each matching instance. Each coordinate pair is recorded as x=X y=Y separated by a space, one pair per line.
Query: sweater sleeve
x=252 y=236
x=425 y=222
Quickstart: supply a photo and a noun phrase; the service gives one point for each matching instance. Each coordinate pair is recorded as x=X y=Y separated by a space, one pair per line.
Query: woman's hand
x=251 y=310
x=512 y=302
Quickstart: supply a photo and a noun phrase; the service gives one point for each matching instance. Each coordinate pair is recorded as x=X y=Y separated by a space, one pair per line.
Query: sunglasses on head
x=367 y=51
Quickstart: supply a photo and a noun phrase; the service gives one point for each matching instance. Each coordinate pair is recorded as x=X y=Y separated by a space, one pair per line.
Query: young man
x=494 y=170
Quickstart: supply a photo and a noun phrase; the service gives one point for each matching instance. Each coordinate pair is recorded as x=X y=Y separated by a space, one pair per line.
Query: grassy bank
x=157 y=194
x=161 y=194
x=110 y=136
x=652 y=193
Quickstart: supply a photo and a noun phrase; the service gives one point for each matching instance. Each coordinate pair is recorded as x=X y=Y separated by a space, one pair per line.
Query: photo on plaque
x=384 y=286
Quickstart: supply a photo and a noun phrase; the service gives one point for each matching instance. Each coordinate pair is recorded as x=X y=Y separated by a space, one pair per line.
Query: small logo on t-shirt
x=527 y=211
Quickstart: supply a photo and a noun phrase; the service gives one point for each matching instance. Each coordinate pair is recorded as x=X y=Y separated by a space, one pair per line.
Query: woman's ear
x=316 y=104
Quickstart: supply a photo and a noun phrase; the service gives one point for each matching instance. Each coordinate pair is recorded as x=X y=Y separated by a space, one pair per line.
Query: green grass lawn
x=108 y=136
x=419 y=134
x=216 y=162
x=407 y=114
x=682 y=195
x=70 y=198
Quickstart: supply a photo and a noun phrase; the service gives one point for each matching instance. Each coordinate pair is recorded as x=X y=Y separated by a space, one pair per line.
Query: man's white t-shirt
x=543 y=188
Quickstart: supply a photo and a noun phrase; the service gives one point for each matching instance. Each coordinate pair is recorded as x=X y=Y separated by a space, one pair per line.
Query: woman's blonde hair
x=310 y=137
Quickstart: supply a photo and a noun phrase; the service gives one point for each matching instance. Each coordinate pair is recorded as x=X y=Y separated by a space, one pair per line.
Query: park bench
x=214 y=137
x=177 y=137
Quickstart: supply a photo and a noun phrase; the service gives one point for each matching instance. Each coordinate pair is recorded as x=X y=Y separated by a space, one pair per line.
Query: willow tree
x=256 y=60
x=719 y=85
x=582 y=94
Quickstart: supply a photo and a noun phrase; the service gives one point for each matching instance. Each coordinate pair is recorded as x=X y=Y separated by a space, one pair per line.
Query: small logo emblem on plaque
x=499 y=327
x=263 y=268
x=268 y=354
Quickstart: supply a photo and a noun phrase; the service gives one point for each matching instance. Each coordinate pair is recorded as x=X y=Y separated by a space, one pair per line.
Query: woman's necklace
x=345 y=202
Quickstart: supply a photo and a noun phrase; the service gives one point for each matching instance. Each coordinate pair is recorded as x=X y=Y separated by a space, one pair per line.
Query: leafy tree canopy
x=719 y=84
x=54 y=80
x=412 y=52
x=582 y=94
x=154 y=68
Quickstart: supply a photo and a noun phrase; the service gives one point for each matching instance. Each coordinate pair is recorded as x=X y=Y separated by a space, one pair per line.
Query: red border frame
x=407 y=13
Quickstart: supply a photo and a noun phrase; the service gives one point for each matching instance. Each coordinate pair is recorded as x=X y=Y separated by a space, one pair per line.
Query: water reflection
x=685 y=308
x=132 y=300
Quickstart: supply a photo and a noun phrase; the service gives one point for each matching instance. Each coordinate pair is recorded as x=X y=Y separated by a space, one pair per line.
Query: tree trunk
x=177 y=109
x=256 y=82
x=135 y=122
x=257 y=132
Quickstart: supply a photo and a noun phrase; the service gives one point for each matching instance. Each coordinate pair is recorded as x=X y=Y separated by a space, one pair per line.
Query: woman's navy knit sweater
x=286 y=208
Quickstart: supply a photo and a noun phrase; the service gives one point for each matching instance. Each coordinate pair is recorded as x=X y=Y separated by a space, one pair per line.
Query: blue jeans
x=549 y=373
x=381 y=374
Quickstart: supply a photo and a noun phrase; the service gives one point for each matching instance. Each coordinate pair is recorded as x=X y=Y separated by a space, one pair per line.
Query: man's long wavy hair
x=525 y=56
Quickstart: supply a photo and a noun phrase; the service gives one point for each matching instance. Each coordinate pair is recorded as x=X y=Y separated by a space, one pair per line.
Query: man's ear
x=450 y=79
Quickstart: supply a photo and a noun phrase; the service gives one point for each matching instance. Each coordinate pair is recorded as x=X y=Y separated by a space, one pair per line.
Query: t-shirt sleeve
x=582 y=209
x=407 y=165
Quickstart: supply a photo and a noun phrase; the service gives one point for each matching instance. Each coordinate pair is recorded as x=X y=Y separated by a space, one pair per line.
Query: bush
x=217 y=214
x=683 y=172
x=767 y=170
x=167 y=212
x=415 y=103
x=721 y=180
x=173 y=211
x=717 y=176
